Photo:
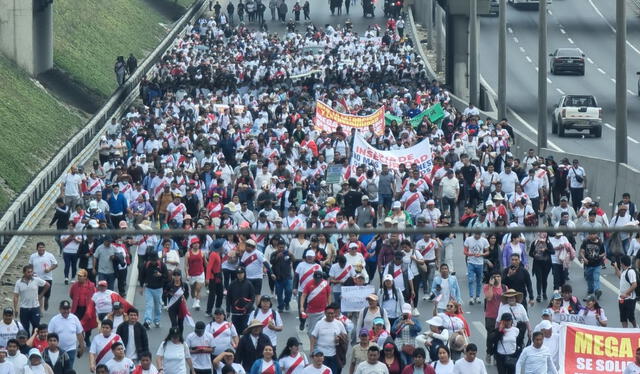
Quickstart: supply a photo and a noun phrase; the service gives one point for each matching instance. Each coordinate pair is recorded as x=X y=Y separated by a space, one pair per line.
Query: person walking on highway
x=541 y=251
x=536 y=358
x=120 y=69
x=470 y=364
x=517 y=277
x=27 y=293
x=592 y=256
x=576 y=184
x=627 y=294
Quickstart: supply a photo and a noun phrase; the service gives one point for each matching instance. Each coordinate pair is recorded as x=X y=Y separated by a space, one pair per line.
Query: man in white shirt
x=317 y=364
x=69 y=330
x=5 y=366
x=146 y=366
x=508 y=179
x=100 y=351
x=43 y=265
x=632 y=367
x=532 y=186
x=14 y=356
x=9 y=327
x=627 y=294
x=325 y=335
x=71 y=187
x=119 y=364
x=200 y=345
x=450 y=187
x=470 y=364
x=372 y=365
x=476 y=248
x=536 y=358
x=26 y=295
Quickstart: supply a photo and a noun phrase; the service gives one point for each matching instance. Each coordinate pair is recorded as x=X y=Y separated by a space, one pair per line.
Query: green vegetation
x=88 y=35
x=34 y=127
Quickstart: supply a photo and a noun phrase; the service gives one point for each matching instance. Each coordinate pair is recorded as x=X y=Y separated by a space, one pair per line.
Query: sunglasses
x=449 y=306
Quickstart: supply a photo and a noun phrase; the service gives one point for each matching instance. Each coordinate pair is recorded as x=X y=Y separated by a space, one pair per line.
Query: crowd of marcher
x=224 y=139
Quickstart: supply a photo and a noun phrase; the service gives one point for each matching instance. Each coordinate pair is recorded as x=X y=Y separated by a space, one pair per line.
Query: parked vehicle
x=577 y=112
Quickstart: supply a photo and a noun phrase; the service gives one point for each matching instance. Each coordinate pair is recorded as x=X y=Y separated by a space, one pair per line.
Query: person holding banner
x=594 y=314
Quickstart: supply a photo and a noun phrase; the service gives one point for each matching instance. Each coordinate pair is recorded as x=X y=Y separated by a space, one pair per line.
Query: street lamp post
x=542 y=75
x=621 y=82
x=502 y=61
x=474 y=81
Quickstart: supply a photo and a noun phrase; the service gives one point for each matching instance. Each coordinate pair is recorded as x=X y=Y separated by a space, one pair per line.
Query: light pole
x=542 y=75
x=439 y=36
x=474 y=85
x=502 y=61
x=621 y=82
x=428 y=20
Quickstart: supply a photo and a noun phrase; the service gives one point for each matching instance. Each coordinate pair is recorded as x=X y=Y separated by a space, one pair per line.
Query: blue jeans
x=72 y=355
x=592 y=275
x=110 y=278
x=70 y=263
x=385 y=201
x=30 y=317
x=283 y=292
x=474 y=275
x=152 y=304
x=332 y=363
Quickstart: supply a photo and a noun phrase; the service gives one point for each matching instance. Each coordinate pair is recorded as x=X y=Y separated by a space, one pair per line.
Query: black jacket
x=139 y=336
x=62 y=365
x=240 y=297
x=153 y=274
x=247 y=353
x=281 y=264
x=61 y=218
x=519 y=281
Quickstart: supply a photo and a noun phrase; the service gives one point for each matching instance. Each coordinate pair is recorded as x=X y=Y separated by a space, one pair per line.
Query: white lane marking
x=549 y=81
x=510 y=30
x=580 y=50
x=608 y=125
x=590 y=60
x=604 y=281
x=560 y=91
x=601 y=71
x=537 y=68
x=528 y=59
x=570 y=40
x=562 y=31
x=613 y=80
x=516 y=40
x=636 y=50
x=630 y=92
x=633 y=140
x=522 y=49
x=549 y=11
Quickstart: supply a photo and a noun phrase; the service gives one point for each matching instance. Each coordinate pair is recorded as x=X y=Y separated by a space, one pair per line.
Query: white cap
x=431 y=202
x=406 y=308
x=396 y=205
x=353 y=245
x=436 y=321
x=310 y=253
x=93 y=204
x=93 y=223
x=388 y=277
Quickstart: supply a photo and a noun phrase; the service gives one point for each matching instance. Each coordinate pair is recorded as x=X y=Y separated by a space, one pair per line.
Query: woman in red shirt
x=391 y=357
x=80 y=293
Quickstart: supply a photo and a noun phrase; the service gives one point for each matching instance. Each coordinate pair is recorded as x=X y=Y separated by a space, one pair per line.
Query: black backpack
x=626 y=277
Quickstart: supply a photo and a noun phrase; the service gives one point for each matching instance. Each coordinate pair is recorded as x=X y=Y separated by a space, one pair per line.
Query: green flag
x=435 y=113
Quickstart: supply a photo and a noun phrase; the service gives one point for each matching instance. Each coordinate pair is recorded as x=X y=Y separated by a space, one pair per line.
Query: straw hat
x=252 y=324
x=512 y=293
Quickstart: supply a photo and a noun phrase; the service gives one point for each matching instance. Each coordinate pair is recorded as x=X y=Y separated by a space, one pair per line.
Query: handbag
x=423 y=267
x=408 y=349
x=509 y=360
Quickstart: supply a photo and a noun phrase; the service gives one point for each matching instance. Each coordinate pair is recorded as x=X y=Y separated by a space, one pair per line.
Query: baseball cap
x=65 y=304
x=102 y=283
x=547 y=312
x=364 y=332
x=22 y=334
x=200 y=325
x=117 y=305
x=7 y=311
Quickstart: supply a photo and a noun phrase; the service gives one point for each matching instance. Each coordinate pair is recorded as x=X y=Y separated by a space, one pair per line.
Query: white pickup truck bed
x=577 y=112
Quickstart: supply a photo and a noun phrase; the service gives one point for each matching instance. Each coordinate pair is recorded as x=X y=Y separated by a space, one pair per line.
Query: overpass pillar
x=26 y=33
x=457 y=54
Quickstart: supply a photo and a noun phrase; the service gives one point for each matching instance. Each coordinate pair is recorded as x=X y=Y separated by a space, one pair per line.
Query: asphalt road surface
x=474 y=314
x=585 y=24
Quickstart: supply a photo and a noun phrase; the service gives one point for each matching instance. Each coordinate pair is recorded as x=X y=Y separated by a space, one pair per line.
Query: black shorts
x=627 y=310
x=48 y=293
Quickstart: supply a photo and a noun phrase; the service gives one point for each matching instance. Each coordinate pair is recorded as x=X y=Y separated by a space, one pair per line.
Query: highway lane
x=568 y=25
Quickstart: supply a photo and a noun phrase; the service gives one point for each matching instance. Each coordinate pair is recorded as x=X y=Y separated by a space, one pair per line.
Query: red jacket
x=80 y=294
x=214 y=266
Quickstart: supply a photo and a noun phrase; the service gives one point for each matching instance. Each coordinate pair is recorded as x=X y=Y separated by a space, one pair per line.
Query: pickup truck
x=577 y=112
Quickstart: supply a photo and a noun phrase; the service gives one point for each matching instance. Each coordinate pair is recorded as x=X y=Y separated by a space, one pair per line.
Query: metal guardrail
x=34 y=201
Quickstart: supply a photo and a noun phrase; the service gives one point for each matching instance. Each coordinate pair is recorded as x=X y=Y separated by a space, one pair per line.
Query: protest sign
x=590 y=349
x=435 y=113
x=565 y=318
x=354 y=298
x=364 y=153
x=328 y=119
x=334 y=174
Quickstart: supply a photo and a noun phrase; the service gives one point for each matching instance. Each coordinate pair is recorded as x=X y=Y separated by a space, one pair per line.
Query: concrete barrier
x=606 y=181
x=34 y=202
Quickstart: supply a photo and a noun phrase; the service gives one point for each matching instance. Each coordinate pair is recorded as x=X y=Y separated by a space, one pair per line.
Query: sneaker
x=157 y=324
x=471 y=301
x=416 y=312
x=598 y=294
x=425 y=298
x=489 y=360
x=66 y=280
x=196 y=304
x=287 y=307
x=538 y=299
x=544 y=297
x=147 y=325
x=301 y=325
x=208 y=314
x=477 y=300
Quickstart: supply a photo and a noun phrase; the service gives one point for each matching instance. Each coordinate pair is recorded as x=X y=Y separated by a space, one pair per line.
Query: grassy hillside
x=88 y=35
x=34 y=127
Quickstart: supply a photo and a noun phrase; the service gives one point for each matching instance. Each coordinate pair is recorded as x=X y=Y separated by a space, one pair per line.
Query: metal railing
x=34 y=201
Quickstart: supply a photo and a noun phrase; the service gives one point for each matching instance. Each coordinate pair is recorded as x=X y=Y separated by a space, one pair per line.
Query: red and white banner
x=364 y=153
x=588 y=349
x=328 y=119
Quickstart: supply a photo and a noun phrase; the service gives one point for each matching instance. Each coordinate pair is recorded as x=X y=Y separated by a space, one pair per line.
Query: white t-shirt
x=313 y=370
x=67 y=330
x=508 y=344
x=463 y=366
x=476 y=246
x=72 y=185
x=9 y=331
x=7 y=368
x=634 y=247
x=442 y=368
x=624 y=284
x=573 y=172
x=222 y=337
x=269 y=315
x=253 y=264
x=103 y=301
x=201 y=361
x=632 y=368
x=99 y=342
x=366 y=368
x=28 y=291
x=174 y=357
x=326 y=333
x=237 y=367
x=125 y=366
x=518 y=312
x=42 y=263
x=287 y=362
